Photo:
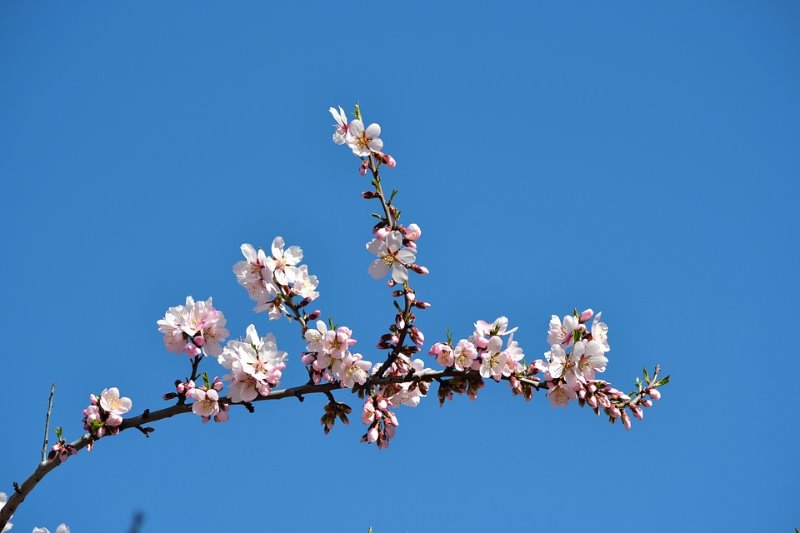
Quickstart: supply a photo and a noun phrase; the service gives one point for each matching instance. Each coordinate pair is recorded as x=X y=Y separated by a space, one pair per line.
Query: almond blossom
x=340 y=134
x=256 y=365
x=364 y=141
x=391 y=254
x=207 y=404
x=562 y=333
x=194 y=327
x=282 y=263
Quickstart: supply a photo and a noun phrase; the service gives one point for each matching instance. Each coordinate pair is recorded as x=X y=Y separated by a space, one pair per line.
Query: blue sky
x=634 y=158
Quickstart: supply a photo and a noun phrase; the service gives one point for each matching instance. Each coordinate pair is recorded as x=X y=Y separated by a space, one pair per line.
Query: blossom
x=600 y=332
x=464 y=354
x=340 y=134
x=256 y=365
x=498 y=327
x=114 y=406
x=562 y=333
x=282 y=262
x=354 y=369
x=304 y=284
x=588 y=357
x=493 y=361
x=364 y=141
x=250 y=273
x=192 y=327
x=391 y=253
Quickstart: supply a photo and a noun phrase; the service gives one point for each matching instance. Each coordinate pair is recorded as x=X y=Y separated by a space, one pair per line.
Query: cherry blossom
x=562 y=333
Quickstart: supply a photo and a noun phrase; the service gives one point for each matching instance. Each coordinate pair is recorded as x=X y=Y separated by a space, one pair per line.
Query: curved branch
x=148 y=417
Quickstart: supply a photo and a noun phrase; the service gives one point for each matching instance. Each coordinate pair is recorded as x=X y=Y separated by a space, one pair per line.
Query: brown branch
x=148 y=417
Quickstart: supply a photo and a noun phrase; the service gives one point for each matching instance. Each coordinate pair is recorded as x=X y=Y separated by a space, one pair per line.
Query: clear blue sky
x=634 y=158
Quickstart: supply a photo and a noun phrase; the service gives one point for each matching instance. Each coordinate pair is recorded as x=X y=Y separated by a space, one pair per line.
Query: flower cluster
x=328 y=356
x=194 y=328
x=207 y=404
x=483 y=351
x=255 y=365
x=104 y=414
x=272 y=280
x=576 y=354
x=377 y=411
x=364 y=142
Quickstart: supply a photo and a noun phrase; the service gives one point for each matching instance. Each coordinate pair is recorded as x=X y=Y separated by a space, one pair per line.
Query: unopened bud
x=314 y=314
x=654 y=394
x=419 y=269
x=626 y=421
x=368 y=195
x=647 y=403
x=422 y=305
x=413 y=232
x=382 y=232
x=411 y=295
x=363 y=169
x=399 y=322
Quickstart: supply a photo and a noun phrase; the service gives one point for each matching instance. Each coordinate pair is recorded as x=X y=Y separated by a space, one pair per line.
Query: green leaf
x=391 y=197
x=662 y=381
x=331 y=326
x=646 y=375
x=357 y=112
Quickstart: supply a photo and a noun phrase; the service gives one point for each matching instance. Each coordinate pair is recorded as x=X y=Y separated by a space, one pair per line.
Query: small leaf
x=646 y=375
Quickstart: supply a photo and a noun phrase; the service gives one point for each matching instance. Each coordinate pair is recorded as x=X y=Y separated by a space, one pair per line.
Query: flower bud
x=363 y=169
x=654 y=394
x=199 y=340
x=368 y=195
x=586 y=316
x=315 y=314
x=626 y=421
x=413 y=232
x=381 y=233
x=422 y=305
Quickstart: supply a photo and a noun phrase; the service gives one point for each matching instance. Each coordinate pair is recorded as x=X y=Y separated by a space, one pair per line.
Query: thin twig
x=47 y=422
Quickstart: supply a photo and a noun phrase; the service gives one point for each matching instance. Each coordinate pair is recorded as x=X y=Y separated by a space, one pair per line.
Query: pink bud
x=222 y=416
x=381 y=233
x=191 y=350
x=637 y=411
x=647 y=403
x=218 y=384
x=180 y=388
x=586 y=315
x=626 y=421
x=199 y=340
x=413 y=232
x=654 y=394
x=423 y=270
x=363 y=169
x=113 y=420
x=93 y=399
x=389 y=161
x=372 y=434
x=315 y=315
x=614 y=411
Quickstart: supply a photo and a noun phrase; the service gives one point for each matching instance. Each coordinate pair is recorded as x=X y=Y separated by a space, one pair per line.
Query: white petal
x=374 y=131
x=378 y=269
x=376 y=145
x=356 y=128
